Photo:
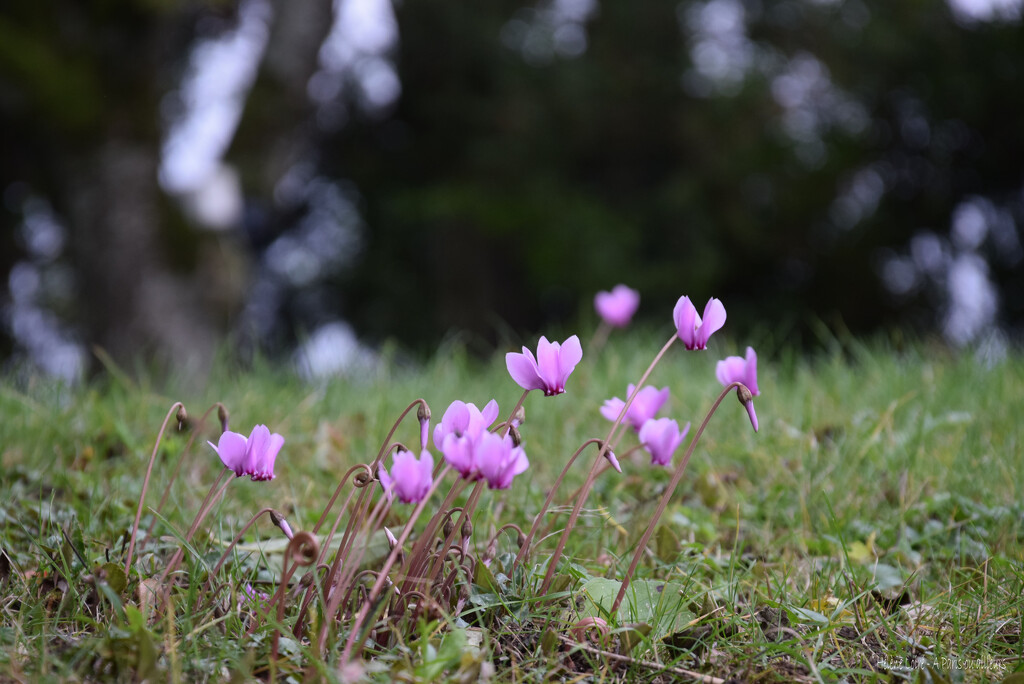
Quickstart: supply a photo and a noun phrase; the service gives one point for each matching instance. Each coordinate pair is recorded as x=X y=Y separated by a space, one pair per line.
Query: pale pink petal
x=231 y=448
x=386 y=483
x=547 y=364
x=489 y=412
x=523 y=369
x=714 y=319
x=730 y=369
x=685 y=316
x=569 y=356
x=612 y=408
x=519 y=461
x=751 y=373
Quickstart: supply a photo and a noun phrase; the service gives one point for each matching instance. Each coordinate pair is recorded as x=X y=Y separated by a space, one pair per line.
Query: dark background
x=483 y=168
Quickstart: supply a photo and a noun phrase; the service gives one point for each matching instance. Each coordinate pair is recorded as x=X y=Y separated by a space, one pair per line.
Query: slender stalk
x=508 y=423
x=204 y=510
x=302 y=551
x=188 y=445
x=676 y=477
x=524 y=549
x=175 y=408
x=417 y=558
x=599 y=339
x=382 y=576
x=345 y=571
x=592 y=475
x=387 y=440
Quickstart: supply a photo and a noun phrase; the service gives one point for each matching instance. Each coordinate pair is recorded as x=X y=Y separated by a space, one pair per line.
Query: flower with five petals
x=661 y=437
x=254 y=456
x=551 y=367
x=499 y=460
x=410 y=478
x=645 y=406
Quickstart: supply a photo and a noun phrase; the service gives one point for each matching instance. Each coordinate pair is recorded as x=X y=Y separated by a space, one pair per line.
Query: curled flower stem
x=359 y=480
x=417 y=558
x=355 y=629
x=345 y=569
x=525 y=549
x=676 y=477
x=592 y=475
x=302 y=551
x=145 y=483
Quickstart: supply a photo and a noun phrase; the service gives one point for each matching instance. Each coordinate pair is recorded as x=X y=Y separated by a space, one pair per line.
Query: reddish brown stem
x=592 y=475
x=676 y=477
x=145 y=484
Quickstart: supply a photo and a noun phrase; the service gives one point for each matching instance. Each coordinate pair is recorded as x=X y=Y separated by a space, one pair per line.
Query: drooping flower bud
x=423 y=415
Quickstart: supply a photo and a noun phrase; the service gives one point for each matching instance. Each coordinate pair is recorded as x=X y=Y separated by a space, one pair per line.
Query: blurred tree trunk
x=133 y=303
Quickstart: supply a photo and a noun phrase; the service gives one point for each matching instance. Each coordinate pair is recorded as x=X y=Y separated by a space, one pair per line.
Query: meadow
x=871 y=528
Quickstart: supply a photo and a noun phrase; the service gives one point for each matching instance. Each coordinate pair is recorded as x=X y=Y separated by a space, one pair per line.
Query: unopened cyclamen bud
x=519 y=417
x=222 y=415
x=423 y=415
x=610 y=455
x=449 y=527
x=392 y=541
x=279 y=520
x=521 y=539
x=467 y=529
x=747 y=399
x=181 y=415
x=517 y=439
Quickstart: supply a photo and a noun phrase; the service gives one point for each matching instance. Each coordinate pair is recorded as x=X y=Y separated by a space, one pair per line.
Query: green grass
x=874 y=521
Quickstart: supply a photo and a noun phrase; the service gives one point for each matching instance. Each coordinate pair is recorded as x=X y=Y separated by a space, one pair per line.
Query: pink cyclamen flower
x=693 y=330
x=645 y=406
x=461 y=418
x=736 y=369
x=410 y=477
x=460 y=430
x=616 y=308
x=661 y=437
x=254 y=456
x=251 y=598
x=550 y=369
x=499 y=460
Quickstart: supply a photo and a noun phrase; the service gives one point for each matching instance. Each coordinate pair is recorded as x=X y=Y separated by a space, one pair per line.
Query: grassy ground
x=873 y=528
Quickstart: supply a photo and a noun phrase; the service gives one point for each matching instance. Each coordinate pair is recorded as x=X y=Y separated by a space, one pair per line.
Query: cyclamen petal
x=570 y=354
x=459 y=453
x=616 y=308
x=261 y=453
x=661 y=437
x=691 y=329
x=737 y=369
x=410 y=478
x=231 y=448
x=712 y=321
x=645 y=406
x=523 y=369
x=499 y=460
x=550 y=370
x=253 y=456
